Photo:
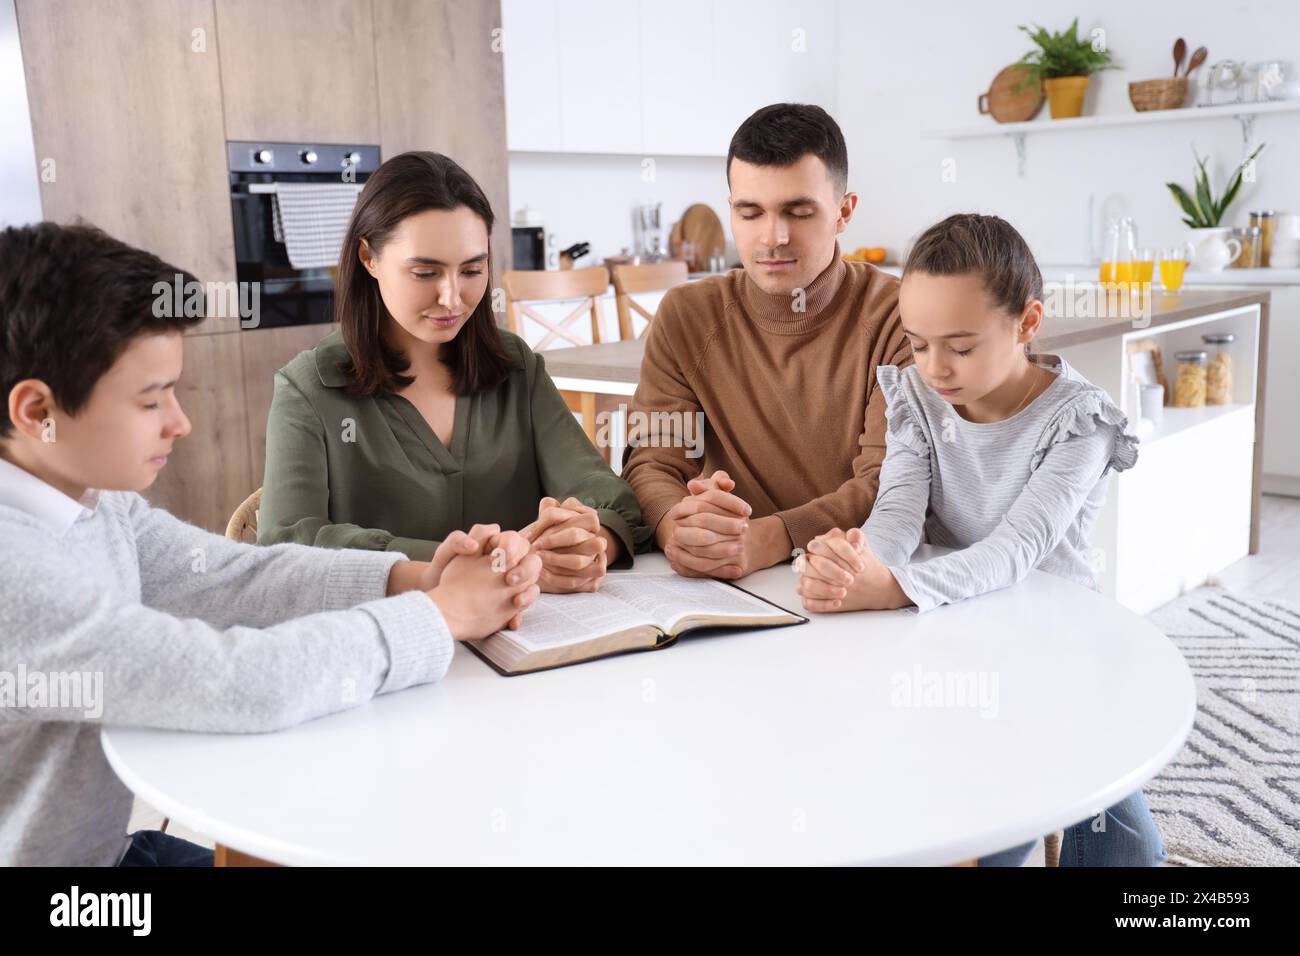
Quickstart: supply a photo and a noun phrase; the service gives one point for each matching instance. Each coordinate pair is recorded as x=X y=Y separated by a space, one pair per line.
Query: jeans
x=1129 y=838
x=155 y=848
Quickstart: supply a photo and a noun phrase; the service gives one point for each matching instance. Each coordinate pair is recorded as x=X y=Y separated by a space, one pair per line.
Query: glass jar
x=1264 y=219
x=1248 y=257
x=1190 y=386
x=1218 y=372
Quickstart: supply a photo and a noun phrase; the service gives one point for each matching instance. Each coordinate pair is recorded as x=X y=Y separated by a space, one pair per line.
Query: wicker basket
x=1165 y=94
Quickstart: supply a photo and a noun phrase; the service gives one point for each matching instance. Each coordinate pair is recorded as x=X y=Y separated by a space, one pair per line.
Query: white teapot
x=1213 y=249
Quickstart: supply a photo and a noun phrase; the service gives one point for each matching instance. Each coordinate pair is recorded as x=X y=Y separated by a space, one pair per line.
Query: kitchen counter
x=1063 y=331
x=619 y=363
x=1194 y=277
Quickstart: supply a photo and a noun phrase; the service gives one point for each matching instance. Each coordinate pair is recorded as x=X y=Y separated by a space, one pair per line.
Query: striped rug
x=1232 y=795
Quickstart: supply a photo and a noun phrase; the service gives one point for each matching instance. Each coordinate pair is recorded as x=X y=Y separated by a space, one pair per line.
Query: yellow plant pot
x=1065 y=95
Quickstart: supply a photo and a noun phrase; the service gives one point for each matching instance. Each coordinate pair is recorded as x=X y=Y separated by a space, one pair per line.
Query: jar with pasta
x=1218 y=373
x=1190 y=386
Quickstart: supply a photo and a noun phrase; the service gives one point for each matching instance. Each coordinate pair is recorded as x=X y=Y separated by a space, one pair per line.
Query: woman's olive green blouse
x=347 y=472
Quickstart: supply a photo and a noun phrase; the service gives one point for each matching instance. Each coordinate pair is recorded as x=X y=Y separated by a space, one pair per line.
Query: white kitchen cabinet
x=532 y=74
x=600 y=76
x=1184 y=513
x=679 y=83
x=666 y=77
x=771 y=51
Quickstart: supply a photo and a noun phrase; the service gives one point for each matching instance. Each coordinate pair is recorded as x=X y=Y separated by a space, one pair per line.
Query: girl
x=420 y=417
x=995 y=452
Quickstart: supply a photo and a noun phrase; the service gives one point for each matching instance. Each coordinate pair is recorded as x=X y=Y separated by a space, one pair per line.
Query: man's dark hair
x=985 y=246
x=72 y=298
x=784 y=133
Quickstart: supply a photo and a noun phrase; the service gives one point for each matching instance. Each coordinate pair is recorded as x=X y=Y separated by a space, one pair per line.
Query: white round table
x=881 y=737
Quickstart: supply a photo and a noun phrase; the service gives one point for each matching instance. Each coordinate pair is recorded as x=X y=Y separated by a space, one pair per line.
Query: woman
x=420 y=417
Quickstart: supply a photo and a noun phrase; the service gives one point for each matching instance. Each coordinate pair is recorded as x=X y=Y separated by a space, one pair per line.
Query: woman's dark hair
x=784 y=133
x=987 y=246
x=403 y=186
x=72 y=299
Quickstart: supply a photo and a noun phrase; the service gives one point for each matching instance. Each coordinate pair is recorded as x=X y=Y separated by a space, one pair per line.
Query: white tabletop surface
x=786 y=746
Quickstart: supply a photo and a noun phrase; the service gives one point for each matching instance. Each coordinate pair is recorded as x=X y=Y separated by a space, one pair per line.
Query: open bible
x=632 y=611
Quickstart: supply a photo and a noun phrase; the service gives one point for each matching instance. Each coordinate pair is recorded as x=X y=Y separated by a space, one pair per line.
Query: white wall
x=20 y=197
x=907 y=68
x=617 y=83
x=585 y=197
x=902 y=69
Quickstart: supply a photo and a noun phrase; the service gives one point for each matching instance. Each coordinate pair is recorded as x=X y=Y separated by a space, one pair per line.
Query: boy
x=178 y=628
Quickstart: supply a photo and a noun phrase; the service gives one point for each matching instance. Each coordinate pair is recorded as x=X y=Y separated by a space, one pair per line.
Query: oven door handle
x=252 y=189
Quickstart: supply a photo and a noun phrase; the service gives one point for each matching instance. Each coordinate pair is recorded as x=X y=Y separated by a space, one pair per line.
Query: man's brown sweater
x=792 y=411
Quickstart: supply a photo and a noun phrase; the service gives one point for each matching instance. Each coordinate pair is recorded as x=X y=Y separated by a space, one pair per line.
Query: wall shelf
x=1244 y=113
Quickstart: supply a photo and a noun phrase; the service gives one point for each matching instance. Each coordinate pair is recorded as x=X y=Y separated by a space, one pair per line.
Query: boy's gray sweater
x=181 y=629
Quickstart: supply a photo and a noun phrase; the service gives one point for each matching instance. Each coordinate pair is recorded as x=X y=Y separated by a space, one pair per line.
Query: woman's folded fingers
x=557 y=538
x=566 y=562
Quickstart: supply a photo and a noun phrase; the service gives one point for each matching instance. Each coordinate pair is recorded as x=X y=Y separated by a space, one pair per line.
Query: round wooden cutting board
x=1007 y=106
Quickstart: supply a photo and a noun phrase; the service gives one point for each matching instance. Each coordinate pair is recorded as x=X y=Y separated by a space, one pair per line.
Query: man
x=779 y=357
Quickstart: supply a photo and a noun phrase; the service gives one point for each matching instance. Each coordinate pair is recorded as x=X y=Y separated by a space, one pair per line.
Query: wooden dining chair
x=524 y=288
x=653 y=277
x=244 y=520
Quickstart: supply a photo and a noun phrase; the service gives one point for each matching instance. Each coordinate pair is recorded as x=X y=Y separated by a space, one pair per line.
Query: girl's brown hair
x=403 y=186
x=987 y=246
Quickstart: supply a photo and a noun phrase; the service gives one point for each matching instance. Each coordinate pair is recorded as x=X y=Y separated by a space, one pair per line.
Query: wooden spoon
x=1198 y=57
x=1180 y=51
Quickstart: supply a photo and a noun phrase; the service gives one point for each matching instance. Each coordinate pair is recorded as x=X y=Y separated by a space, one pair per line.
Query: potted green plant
x=1063 y=64
x=1213 y=247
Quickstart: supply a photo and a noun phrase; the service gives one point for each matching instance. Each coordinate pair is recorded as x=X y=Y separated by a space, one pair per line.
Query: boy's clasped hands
x=840 y=572
x=484 y=579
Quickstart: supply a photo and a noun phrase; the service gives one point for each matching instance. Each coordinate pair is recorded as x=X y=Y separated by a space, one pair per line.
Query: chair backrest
x=653 y=277
x=531 y=286
x=244 y=520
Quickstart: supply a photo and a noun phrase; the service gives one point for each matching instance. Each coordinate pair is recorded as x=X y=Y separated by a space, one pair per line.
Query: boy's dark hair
x=71 y=300
x=784 y=133
x=403 y=186
x=987 y=246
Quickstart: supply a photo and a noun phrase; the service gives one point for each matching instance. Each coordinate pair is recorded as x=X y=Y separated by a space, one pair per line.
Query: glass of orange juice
x=1144 y=266
x=1123 y=272
x=1173 y=263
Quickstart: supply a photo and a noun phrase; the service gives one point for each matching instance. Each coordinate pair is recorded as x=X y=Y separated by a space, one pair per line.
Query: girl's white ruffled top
x=1013 y=495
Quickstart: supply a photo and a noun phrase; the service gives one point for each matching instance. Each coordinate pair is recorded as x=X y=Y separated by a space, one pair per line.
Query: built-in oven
x=289 y=293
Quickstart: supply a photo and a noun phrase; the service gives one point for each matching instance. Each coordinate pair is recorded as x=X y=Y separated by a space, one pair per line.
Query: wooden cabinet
x=264 y=352
x=134 y=100
x=125 y=99
x=298 y=71
x=440 y=79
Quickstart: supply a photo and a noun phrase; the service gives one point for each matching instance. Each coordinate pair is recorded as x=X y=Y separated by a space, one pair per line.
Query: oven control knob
x=308 y=156
x=264 y=156
x=351 y=159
